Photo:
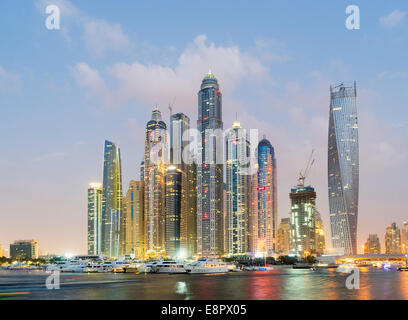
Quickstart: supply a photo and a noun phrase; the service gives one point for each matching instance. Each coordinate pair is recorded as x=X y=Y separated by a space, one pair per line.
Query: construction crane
x=171 y=107
x=302 y=176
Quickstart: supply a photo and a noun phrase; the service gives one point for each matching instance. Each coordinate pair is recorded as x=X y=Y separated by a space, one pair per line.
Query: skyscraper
x=303 y=220
x=191 y=223
x=343 y=167
x=155 y=161
x=111 y=200
x=393 y=239
x=176 y=212
x=133 y=222
x=94 y=218
x=372 y=245
x=210 y=169
x=267 y=201
x=237 y=190
x=179 y=124
x=404 y=239
x=319 y=233
x=284 y=238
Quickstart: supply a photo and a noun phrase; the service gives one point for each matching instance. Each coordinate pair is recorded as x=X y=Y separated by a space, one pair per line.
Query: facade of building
x=155 y=162
x=267 y=200
x=176 y=213
x=372 y=245
x=284 y=238
x=303 y=220
x=179 y=124
x=24 y=249
x=319 y=232
x=191 y=223
x=404 y=237
x=210 y=169
x=94 y=218
x=343 y=168
x=237 y=193
x=111 y=201
x=1 y=251
x=132 y=234
x=393 y=239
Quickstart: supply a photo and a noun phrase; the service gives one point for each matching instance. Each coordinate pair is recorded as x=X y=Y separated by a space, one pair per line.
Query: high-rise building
x=267 y=202
x=179 y=124
x=111 y=200
x=303 y=220
x=237 y=193
x=24 y=249
x=94 y=218
x=1 y=251
x=404 y=240
x=210 y=169
x=319 y=233
x=372 y=245
x=142 y=171
x=343 y=167
x=176 y=213
x=393 y=239
x=133 y=222
x=284 y=238
x=253 y=213
x=155 y=161
x=191 y=223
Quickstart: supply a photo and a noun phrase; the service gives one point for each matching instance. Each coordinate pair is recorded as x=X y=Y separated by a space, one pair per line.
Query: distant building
x=393 y=239
x=404 y=239
x=343 y=167
x=24 y=249
x=191 y=223
x=111 y=200
x=1 y=251
x=284 y=237
x=372 y=245
x=132 y=233
x=94 y=218
x=319 y=232
x=303 y=220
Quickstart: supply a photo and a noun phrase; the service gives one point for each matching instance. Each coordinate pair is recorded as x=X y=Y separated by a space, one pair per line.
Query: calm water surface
x=281 y=283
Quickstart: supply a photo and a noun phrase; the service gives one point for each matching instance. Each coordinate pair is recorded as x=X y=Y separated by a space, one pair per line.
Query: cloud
x=392 y=75
x=49 y=156
x=9 y=81
x=99 y=36
x=392 y=19
x=152 y=84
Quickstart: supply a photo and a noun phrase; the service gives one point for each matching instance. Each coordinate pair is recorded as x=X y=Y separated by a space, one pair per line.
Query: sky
x=63 y=92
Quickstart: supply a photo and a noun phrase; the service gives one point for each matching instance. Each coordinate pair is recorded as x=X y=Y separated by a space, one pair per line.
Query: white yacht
x=169 y=266
x=148 y=266
x=207 y=265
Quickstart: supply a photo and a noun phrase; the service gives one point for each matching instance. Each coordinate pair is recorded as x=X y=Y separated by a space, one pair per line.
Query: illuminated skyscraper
x=176 y=212
x=372 y=245
x=319 y=232
x=343 y=167
x=237 y=190
x=284 y=238
x=94 y=218
x=393 y=239
x=404 y=240
x=210 y=169
x=1 y=251
x=191 y=224
x=303 y=220
x=155 y=161
x=267 y=216
x=133 y=222
x=111 y=201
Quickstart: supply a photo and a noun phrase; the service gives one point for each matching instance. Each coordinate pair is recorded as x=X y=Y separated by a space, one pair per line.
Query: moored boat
x=207 y=265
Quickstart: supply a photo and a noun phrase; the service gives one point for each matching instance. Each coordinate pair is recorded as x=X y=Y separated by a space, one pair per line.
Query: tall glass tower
x=237 y=190
x=343 y=167
x=155 y=161
x=267 y=198
x=111 y=200
x=210 y=169
x=94 y=217
x=179 y=123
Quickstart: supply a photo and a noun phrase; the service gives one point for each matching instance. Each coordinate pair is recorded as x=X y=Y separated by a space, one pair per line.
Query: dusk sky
x=63 y=92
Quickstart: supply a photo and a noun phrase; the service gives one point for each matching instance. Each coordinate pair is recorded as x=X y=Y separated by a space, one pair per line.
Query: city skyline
x=276 y=81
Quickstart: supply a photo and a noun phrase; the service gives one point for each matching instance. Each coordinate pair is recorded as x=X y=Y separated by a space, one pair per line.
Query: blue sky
x=62 y=92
